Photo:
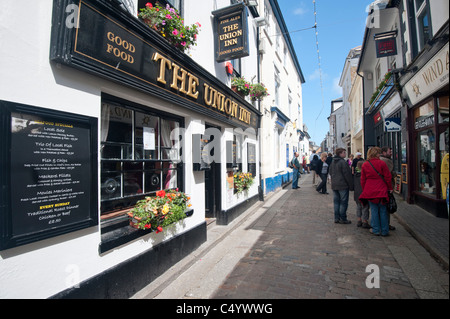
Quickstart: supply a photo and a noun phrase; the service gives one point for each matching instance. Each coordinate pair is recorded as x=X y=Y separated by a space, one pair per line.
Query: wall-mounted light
x=251 y=3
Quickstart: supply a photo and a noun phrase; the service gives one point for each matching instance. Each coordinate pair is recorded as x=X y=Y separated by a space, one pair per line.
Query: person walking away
x=375 y=190
x=341 y=184
x=322 y=170
x=362 y=212
x=296 y=172
x=315 y=161
x=386 y=156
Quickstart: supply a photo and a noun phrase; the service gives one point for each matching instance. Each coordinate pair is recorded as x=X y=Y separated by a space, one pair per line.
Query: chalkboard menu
x=52 y=174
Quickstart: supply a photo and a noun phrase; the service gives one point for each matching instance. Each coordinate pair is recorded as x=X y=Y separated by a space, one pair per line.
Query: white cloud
x=316 y=75
x=299 y=11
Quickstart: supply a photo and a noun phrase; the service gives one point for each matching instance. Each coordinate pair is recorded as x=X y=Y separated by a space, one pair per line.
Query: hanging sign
x=122 y=50
x=386 y=44
x=231 y=32
x=393 y=124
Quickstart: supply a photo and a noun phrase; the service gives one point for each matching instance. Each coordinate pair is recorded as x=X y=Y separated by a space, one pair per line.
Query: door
x=212 y=185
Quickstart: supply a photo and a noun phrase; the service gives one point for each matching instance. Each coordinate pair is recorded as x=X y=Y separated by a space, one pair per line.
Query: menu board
x=52 y=174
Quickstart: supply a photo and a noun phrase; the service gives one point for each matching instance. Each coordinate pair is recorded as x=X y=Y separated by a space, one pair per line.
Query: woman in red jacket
x=375 y=190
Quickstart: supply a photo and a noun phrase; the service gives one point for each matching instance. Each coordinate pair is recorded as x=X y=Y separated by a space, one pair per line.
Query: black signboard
x=109 y=43
x=231 y=32
x=49 y=169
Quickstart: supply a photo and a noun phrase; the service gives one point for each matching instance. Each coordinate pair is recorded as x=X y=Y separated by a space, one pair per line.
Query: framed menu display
x=48 y=173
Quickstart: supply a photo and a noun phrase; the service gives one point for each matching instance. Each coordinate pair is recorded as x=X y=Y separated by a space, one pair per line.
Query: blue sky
x=341 y=26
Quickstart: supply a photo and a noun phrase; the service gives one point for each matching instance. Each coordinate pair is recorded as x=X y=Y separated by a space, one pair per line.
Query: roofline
x=284 y=30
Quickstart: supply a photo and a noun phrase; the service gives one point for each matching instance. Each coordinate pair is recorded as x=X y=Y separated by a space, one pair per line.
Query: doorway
x=213 y=183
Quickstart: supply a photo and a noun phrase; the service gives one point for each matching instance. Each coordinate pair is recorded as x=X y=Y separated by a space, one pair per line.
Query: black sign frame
x=386 y=44
x=125 y=50
x=231 y=32
x=10 y=236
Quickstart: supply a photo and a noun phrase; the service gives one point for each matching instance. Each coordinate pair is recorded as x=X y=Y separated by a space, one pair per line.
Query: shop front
x=124 y=116
x=427 y=93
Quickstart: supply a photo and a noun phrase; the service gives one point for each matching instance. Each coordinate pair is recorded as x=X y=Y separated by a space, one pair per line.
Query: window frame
x=117 y=206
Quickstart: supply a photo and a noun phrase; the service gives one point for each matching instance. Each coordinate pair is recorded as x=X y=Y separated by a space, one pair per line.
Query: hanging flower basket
x=156 y=212
x=167 y=22
x=240 y=86
x=242 y=182
x=258 y=92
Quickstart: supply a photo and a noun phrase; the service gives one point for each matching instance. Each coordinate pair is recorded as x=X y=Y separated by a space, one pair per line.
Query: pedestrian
x=296 y=172
x=374 y=174
x=386 y=155
x=329 y=160
x=341 y=184
x=322 y=171
x=350 y=160
x=355 y=161
x=362 y=211
x=308 y=163
x=304 y=164
x=315 y=161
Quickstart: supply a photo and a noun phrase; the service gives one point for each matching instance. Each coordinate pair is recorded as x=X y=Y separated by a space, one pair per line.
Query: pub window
x=138 y=156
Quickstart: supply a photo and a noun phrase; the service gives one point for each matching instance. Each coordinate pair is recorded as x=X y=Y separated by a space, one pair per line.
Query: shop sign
x=422 y=122
x=377 y=118
x=127 y=51
x=48 y=160
x=231 y=32
x=393 y=124
x=431 y=78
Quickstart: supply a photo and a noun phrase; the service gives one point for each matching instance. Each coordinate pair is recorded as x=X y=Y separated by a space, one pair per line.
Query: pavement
x=288 y=247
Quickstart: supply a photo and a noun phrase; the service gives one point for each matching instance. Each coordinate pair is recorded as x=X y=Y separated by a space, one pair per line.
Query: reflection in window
x=427 y=162
x=138 y=156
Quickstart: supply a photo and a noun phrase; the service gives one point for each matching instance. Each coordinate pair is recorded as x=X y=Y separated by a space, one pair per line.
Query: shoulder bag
x=392 y=204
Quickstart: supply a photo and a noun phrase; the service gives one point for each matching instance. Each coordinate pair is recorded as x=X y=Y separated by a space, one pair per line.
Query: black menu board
x=52 y=174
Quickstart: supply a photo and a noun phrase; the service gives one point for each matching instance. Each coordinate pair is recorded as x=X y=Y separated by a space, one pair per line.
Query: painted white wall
x=273 y=147
x=44 y=268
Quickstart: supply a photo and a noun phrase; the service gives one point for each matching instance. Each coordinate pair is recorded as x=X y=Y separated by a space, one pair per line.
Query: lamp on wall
x=251 y=3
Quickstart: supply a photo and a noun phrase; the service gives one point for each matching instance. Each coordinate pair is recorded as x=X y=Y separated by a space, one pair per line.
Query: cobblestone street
x=291 y=248
x=303 y=254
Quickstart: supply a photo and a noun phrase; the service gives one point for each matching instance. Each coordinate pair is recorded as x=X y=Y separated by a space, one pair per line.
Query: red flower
x=148 y=226
x=149 y=5
x=159 y=229
x=161 y=194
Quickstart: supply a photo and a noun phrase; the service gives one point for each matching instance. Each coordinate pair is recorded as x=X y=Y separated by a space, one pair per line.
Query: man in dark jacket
x=341 y=184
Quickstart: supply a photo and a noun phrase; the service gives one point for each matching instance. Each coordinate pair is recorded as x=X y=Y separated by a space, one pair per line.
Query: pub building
x=99 y=111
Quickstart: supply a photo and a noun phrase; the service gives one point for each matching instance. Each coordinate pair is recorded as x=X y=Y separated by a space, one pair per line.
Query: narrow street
x=289 y=247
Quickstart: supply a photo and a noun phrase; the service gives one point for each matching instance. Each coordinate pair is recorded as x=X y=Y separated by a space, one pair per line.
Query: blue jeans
x=295 y=178
x=340 y=205
x=380 y=219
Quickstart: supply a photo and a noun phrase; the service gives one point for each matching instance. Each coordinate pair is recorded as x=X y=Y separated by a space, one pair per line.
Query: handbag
x=391 y=206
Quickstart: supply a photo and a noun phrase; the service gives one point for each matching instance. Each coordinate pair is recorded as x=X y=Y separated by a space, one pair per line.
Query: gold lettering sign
x=186 y=83
x=120 y=48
